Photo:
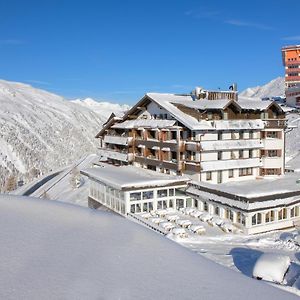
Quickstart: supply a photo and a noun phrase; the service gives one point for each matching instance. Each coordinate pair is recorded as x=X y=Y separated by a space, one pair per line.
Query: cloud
x=11 y=42
x=37 y=82
x=292 y=38
x=240 y=23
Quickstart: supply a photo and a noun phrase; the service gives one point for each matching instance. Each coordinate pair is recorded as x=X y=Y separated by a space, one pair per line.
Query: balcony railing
x=118 y=140
x=117 y=155
x=275 y=123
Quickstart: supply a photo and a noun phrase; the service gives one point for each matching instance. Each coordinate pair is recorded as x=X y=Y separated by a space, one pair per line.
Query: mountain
x=100 y=107
x=41 y=131
x=273 y=88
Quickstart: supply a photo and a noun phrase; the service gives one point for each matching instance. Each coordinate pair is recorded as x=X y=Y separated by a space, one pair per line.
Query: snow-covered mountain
x=100 y=107
x=41 y=131
x=273 y=88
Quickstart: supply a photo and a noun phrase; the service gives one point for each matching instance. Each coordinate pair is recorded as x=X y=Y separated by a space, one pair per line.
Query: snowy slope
x=41 y=131
x=51 y=250
x=273 y=88
x=101 y=107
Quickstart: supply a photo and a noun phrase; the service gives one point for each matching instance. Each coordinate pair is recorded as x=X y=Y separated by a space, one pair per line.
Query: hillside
x=41 y=131
x=273 y=88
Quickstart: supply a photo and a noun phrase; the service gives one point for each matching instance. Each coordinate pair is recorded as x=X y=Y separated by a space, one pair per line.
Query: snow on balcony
x=153 y=123
x=119 y=140
x=231 y=144
x=238 y=124
x=230 y=164
x=115 y=155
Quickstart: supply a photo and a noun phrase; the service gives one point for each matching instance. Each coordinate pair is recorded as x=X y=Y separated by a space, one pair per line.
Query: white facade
x=138 y=200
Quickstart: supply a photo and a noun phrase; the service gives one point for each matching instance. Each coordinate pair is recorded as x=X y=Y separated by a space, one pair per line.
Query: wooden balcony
x=157 y=143
x=192 y=167
x=156 y=162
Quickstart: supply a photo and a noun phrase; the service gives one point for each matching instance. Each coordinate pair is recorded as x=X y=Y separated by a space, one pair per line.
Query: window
x=230 y=173
x=205 y=206
x=217 y=210
x=270 y=216
x=209 y=116
x=256 y=219
x=148 y=195
x=251 y=153
x=241 y=153
x=162 y=193
x=171 y=192
x=251 y=135
x=225 y=115
x=241 y=135
x=271 y=134
x=282 y=214
x=219 y=155
x=219 y=135
x=208 y=175
x=135 y=196
x=245 y=171
x=272 y=153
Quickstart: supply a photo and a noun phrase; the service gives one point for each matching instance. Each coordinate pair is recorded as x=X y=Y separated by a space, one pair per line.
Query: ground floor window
x=162 y=204
x=205 y=206
x=189 y=202
x=217 y=210
x=282 y=214
x=196 y=203
x=270 y=216
x=294 y=211
x=179 y=203
x=256 y=219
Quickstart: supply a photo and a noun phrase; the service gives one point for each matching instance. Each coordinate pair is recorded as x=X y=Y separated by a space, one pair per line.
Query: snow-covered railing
x=238 y=124
x=115 y=154
x=231 y=144
x=119 y=140
x=230 y=164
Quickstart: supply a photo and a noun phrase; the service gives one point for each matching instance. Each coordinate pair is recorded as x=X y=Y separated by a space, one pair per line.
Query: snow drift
x=52 y=250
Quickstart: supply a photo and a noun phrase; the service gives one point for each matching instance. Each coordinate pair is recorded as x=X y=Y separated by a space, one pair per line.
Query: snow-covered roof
x=170 y=102
x=53 y=250
x=165 y=101
x=152 y=123
x=126 y=177
x=251 y=194
x=206 y=104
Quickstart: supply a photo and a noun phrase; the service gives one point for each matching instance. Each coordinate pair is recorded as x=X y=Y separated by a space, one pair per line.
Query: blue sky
x=118 y=50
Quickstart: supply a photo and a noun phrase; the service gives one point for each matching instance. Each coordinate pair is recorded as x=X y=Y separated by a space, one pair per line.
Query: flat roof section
x=126 y=177
x=258 y=190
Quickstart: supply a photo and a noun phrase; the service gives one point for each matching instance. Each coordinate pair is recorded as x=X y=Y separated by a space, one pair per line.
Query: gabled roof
x=170 y=102
x=249 y=103
x=210 y=104
x=112 y=119
x=164 y=100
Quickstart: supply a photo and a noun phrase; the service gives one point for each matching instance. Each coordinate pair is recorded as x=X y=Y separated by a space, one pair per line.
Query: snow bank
x=53 y=250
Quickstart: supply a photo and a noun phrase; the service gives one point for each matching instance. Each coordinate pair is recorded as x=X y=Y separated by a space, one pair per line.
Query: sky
x=119 y=50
